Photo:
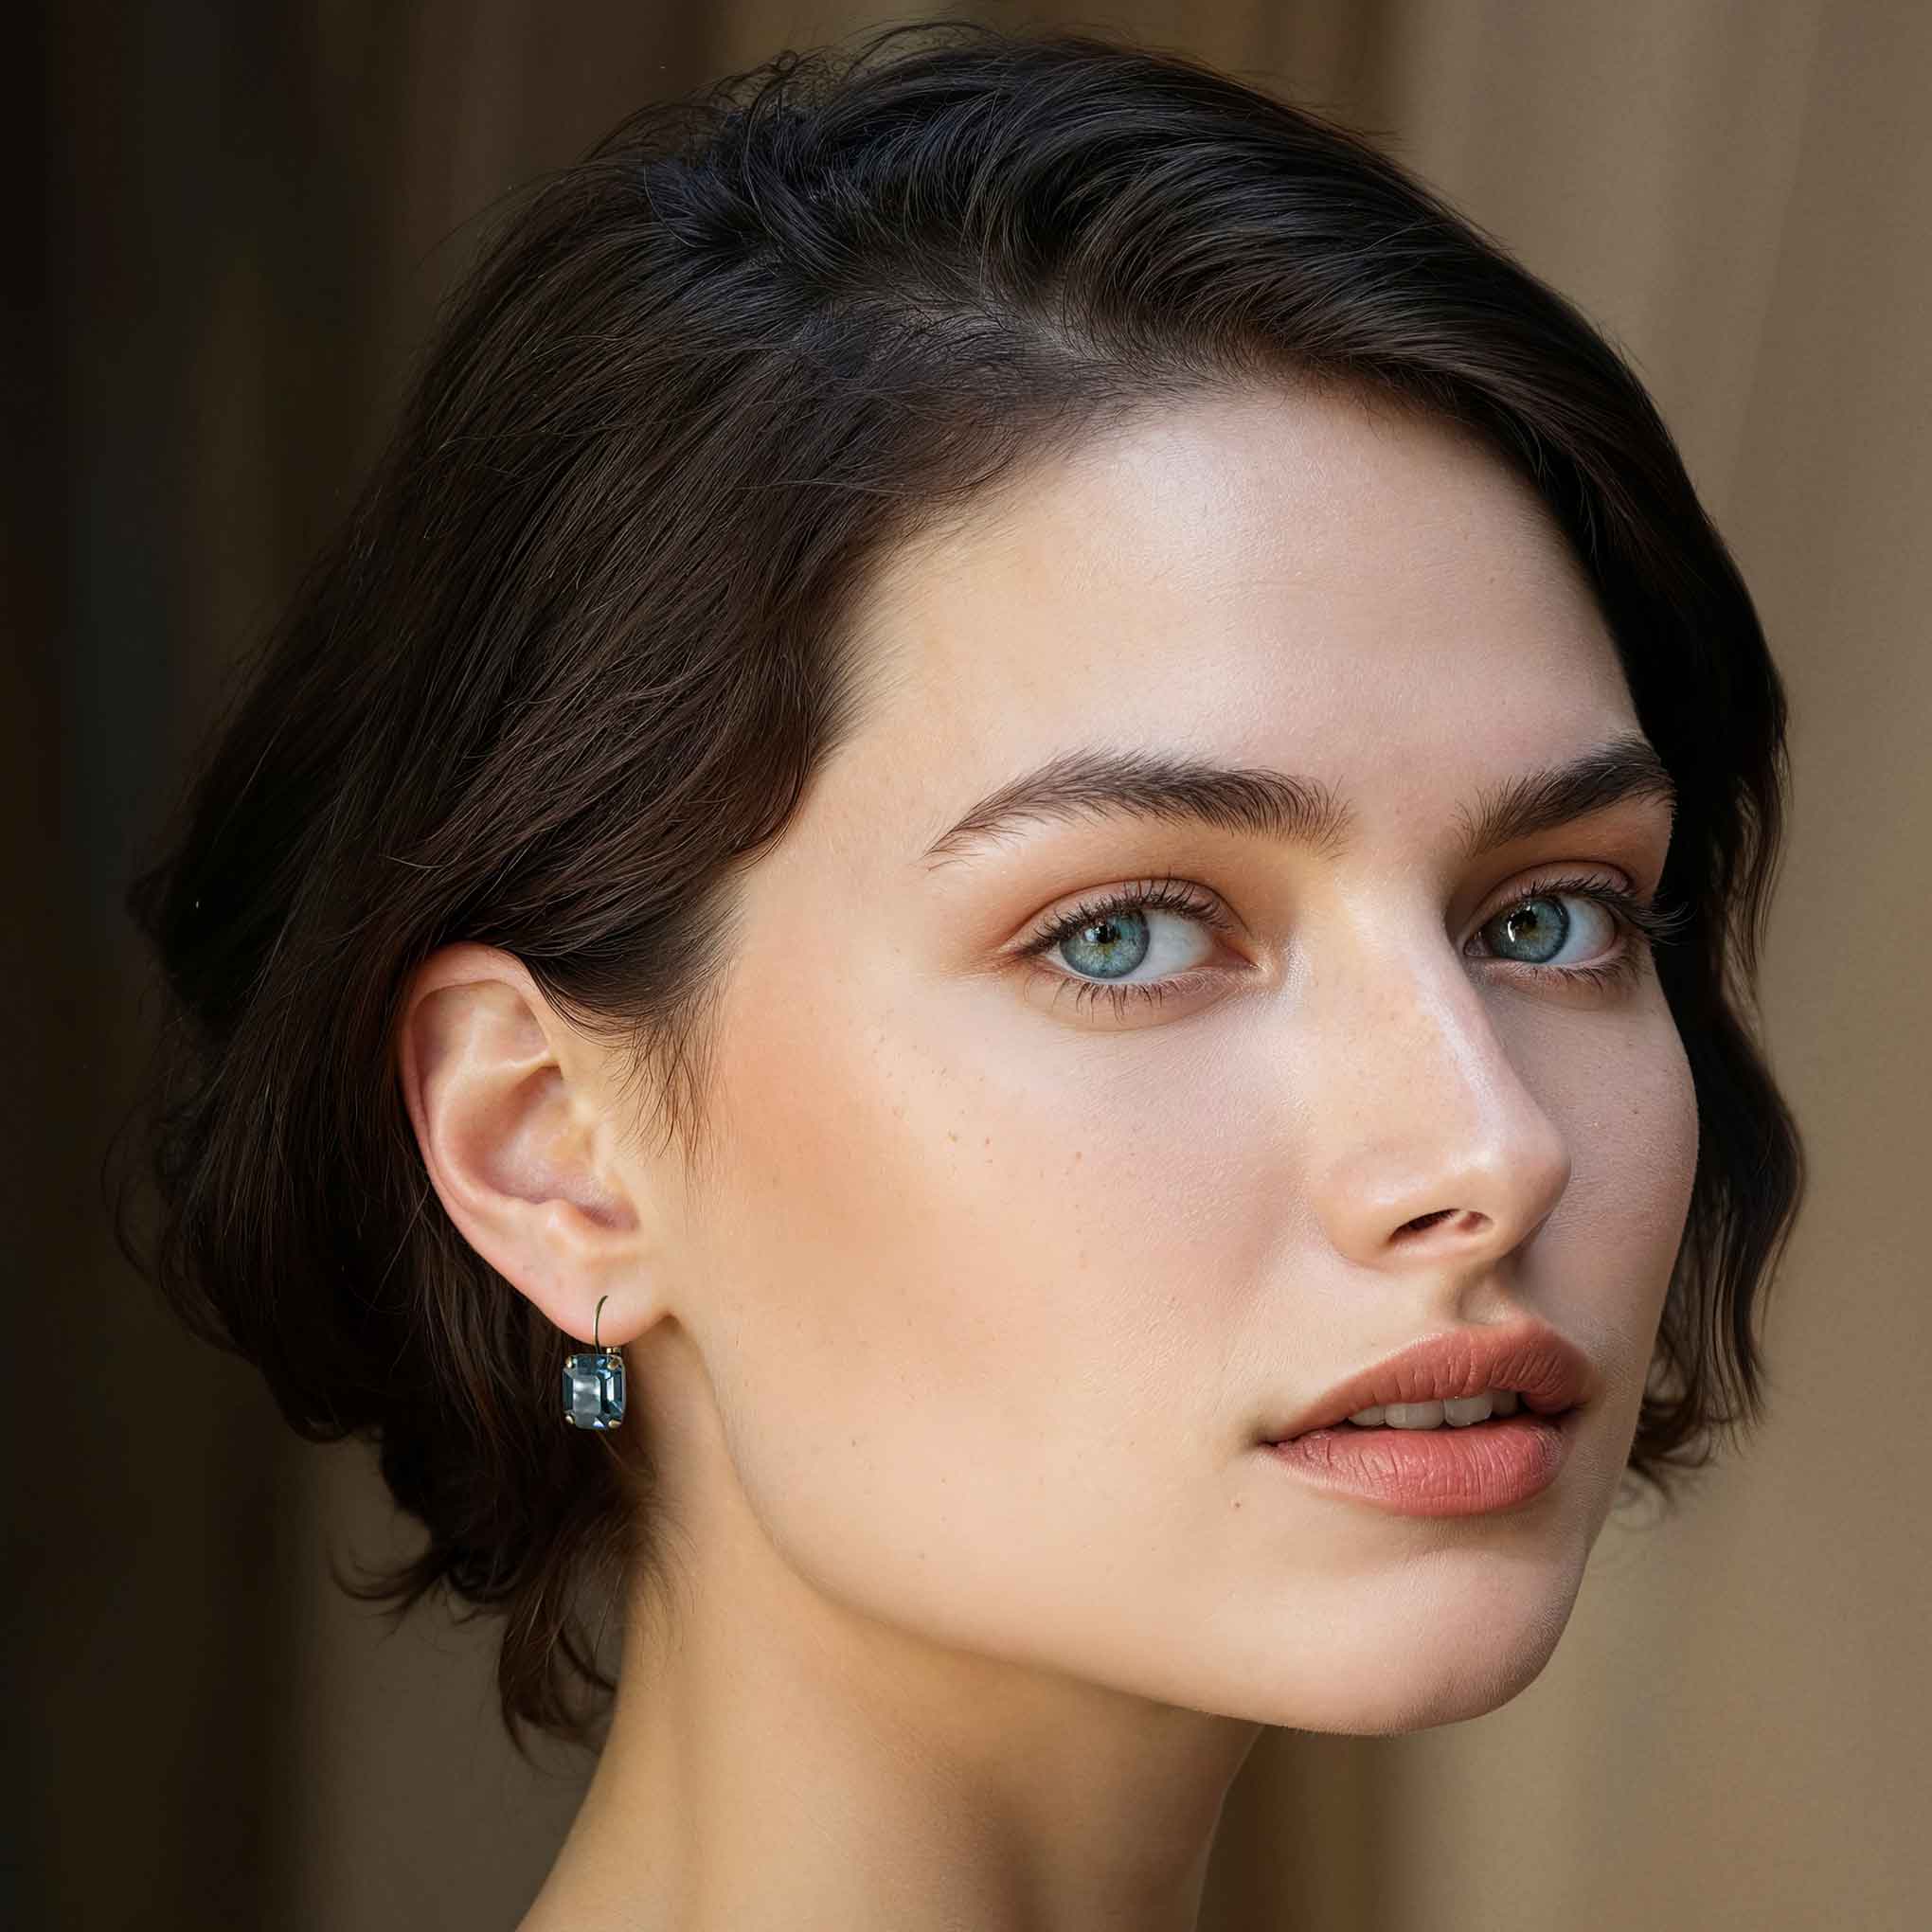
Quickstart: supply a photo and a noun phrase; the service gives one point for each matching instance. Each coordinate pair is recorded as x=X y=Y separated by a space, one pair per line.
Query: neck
x=777 y=1757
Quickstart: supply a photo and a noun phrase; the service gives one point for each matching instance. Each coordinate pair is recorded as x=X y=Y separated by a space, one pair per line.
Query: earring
x=594 y=1382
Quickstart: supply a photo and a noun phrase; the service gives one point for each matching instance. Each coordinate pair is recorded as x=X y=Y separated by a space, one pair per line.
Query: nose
x=1430 y=1149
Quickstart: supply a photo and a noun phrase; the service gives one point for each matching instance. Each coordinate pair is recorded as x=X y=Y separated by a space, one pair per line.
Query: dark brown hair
x=589 y=631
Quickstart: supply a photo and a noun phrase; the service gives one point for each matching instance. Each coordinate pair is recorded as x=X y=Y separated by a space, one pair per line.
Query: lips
x=1546 y=1370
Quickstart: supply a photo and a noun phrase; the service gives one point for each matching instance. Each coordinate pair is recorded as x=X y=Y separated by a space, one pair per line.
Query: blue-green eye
x=1108 y=937
x=1542 y=926
x=1536 y=921
x=1108 y=943
x=1103 y=940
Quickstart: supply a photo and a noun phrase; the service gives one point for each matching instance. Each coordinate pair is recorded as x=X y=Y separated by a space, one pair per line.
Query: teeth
x=1432 y=1415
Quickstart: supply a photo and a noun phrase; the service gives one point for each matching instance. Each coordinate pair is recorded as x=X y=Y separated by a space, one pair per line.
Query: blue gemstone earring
x=594 y=1382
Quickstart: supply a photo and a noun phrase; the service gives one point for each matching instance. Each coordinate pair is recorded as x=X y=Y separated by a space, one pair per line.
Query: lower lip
x=1443 y=1472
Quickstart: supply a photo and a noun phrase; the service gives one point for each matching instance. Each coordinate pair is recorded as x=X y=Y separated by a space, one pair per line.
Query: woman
x=1015 y=767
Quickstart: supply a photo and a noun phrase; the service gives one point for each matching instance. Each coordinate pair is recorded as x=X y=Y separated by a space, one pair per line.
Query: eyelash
x=1641 y=926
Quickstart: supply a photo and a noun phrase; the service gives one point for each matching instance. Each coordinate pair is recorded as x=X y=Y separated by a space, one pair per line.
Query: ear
x=511 y=1114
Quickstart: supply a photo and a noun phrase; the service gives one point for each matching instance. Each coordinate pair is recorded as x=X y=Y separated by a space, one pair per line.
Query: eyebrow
x=1258 y=802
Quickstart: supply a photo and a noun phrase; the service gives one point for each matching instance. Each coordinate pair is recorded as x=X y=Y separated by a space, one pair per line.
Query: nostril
x=1422 y=1221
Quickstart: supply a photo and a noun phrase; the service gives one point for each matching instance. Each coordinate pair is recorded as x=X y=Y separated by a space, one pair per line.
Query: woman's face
x=1006 y=1267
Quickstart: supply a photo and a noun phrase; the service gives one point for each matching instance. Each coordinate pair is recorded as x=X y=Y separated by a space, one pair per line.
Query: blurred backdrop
x=248 y=213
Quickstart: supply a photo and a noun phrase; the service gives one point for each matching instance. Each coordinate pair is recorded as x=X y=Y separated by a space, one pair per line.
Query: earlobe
x=508 y=1122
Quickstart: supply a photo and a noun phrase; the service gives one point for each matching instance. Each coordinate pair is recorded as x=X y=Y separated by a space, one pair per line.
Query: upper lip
x=1548 y=1371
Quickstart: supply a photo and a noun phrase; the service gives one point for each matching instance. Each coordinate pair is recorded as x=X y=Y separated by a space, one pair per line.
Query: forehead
x=1314 y=582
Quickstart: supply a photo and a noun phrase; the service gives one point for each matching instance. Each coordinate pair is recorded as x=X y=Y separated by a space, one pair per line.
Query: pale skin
x=956 y=1368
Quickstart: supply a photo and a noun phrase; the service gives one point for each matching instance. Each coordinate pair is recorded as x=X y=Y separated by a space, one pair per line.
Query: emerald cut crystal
x=594 y=1389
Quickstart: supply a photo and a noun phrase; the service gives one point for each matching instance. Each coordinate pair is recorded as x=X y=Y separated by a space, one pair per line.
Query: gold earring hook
x=595 y=1319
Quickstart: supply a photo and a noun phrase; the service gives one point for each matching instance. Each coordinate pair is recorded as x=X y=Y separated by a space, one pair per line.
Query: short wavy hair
x=589 y=630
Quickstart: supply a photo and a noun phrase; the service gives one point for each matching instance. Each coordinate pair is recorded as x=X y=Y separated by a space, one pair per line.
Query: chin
x=1452 y=1659
x=1413 y=1699
x=1417 y=1705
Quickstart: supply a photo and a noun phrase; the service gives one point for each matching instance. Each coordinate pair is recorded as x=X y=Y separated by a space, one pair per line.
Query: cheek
x=968 y=1291
x=1635 y=1137
x=1668 y=1170
x=1675 y=1161
x=1658 y=1154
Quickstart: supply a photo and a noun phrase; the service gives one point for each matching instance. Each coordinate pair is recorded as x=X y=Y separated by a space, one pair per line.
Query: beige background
x=251 y=212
